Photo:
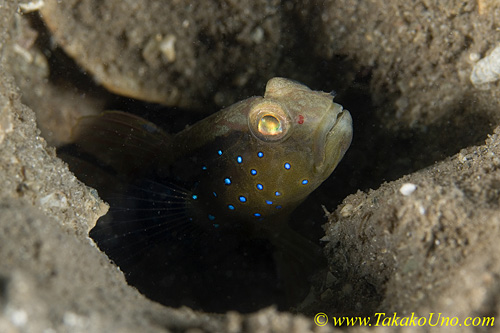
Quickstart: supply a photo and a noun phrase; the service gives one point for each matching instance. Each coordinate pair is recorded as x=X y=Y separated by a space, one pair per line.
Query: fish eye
x=269 y=121
x=270 y=125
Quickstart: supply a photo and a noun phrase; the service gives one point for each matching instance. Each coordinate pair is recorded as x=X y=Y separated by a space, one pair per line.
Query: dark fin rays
x=124 y=142
x=147 y=214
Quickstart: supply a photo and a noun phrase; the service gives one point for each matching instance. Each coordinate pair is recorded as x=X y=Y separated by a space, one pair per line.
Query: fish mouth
x=333 y=140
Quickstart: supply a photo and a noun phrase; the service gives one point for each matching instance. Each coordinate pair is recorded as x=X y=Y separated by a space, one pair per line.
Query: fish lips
x=333 y=139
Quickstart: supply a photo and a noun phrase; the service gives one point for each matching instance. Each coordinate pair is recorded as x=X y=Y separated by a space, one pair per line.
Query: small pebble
x=167 y=47
x=347 y=210
x=487 y=69
x=31 y=6
x=407 y=189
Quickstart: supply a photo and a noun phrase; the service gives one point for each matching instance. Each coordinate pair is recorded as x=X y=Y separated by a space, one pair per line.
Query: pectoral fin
x=297 y=258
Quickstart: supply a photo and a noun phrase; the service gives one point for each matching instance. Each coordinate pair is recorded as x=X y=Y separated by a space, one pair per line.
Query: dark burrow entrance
x=176 y=265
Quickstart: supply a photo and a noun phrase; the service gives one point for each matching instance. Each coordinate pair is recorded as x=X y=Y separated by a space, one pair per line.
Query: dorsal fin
x=123 y=142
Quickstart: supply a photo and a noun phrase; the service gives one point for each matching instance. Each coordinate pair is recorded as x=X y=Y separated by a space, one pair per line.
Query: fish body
x=255 y=161
x=240 y=172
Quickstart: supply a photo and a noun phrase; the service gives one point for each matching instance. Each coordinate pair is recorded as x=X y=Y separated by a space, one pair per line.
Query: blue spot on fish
x=260 y=154
x=227 y=181
x=253 y=172
x=149 y=128
x=194 y=197
x=257 y=215
x=219 y=152
x=239 y=159
x=277 y=193
x=269 y=202
x=243 y=199
x=260 y=187
x=211 y=217
x=231 y=207
x=278 y=207
x=215 y=194
x=204 y=168
x=305 y=181
x=287 y=166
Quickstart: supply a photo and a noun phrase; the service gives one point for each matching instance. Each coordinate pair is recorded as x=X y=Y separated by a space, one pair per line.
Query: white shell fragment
x=6 y=122
x=487 y=69
x=407 y=189
x=31 y=6
x=167 y=47
x=55 y=199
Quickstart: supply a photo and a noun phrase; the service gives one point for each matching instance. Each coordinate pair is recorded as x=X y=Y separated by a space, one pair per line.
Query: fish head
x=274 y=150
x=304 y=132
x=315 y=131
